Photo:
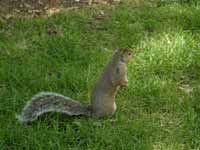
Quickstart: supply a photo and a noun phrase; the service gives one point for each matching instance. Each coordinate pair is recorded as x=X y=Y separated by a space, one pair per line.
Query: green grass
x=153 y=113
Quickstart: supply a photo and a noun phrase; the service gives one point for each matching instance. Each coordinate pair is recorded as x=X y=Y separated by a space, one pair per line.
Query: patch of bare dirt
x=34 y=8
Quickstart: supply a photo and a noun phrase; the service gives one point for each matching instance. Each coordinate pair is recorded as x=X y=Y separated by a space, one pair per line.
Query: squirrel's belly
x=114 y=108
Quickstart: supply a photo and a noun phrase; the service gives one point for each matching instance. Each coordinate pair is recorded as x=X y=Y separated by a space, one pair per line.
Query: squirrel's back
x=51 y=102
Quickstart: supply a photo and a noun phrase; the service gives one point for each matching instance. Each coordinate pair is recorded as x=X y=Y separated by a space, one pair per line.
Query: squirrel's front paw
x=125 y=83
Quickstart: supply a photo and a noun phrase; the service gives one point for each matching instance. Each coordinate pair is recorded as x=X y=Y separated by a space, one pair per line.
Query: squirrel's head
x=125 y=54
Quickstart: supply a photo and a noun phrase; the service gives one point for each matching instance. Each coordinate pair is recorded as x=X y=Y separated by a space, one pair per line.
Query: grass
x=66 y=53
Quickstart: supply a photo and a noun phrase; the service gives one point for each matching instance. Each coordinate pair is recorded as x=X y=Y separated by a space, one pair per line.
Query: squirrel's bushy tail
x=51 y=102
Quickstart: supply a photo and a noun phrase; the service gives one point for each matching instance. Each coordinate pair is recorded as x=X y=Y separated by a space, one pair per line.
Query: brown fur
x=102 y=100
x=113 y=77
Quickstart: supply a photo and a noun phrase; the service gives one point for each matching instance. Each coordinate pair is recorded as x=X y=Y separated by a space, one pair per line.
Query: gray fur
x=39 y=105
x=102 y=99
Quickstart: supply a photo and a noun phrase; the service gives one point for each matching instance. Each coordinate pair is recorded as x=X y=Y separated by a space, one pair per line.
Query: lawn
x=66 y=53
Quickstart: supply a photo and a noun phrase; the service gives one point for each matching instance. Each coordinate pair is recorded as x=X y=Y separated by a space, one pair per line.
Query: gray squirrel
x=102 y=99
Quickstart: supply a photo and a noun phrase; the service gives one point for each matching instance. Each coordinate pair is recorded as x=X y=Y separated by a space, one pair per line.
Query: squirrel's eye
x=129 y=54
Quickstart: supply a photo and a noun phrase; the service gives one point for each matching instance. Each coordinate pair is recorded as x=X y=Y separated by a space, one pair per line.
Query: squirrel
x=102 y=104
